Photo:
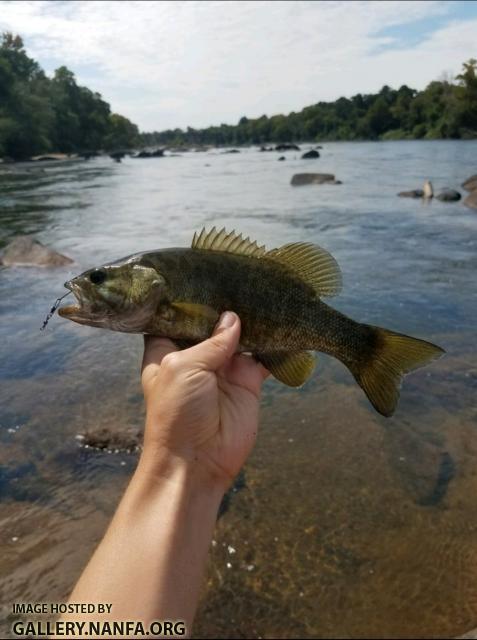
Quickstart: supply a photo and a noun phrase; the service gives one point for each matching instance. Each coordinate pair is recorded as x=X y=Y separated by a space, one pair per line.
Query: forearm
x=151 y=561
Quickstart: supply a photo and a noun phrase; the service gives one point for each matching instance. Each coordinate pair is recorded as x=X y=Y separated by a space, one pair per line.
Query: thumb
x=220 y=347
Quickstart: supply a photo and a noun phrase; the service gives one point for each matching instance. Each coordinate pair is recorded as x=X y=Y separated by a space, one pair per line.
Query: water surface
x=346 y=524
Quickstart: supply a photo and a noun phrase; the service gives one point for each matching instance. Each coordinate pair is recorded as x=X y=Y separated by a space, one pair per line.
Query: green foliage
x=40 y=114
x=123 y=134
x=442 y=110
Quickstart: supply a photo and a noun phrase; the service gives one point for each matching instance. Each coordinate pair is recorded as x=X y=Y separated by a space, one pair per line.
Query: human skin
x=202 y=407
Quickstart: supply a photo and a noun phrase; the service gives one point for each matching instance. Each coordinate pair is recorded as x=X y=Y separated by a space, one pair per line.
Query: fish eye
x=98 y=276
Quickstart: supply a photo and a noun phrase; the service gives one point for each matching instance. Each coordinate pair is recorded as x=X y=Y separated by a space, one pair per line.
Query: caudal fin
x=391 y=357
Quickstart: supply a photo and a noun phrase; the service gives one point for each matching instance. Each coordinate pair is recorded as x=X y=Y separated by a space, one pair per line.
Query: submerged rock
x=449 y=195
x=26 y=251
x=470 y=184
x=310 y=154
x=281 y=158
x=301 y=179
x=471 y=200
x=113 y=440
x=231 y=151
x=414 y=193
x=262 y=148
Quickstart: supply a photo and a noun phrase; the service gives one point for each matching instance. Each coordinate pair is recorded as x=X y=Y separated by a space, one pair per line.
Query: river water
x=344 y=523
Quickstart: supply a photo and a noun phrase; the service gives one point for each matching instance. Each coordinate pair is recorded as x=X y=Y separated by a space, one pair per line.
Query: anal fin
x=292 y=368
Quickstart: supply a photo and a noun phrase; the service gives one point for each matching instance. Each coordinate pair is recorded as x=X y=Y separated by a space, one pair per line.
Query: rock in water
x=414 y=193
x=287 y=146
x=449 y=195
x=428 y=191
x=26 y=251
x=117 y=156
x=158 y=153
x=300 y=179
x=471 y=200
x=471 y=183
x=310 y=154
x=282 y=158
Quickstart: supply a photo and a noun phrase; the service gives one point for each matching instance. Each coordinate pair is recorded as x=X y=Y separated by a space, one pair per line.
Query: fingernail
x=227 y=320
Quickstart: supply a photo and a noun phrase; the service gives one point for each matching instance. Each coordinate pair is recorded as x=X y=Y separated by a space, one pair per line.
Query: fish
x=180 y=293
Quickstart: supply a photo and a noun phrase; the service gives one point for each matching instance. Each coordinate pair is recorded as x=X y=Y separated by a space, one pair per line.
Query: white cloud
x=166 y=64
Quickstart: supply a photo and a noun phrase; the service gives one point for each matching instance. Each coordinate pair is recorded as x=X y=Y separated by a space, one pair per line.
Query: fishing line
x=53 y=309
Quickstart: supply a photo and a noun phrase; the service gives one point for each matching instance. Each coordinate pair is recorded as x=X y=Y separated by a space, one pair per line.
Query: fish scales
x=180 y=294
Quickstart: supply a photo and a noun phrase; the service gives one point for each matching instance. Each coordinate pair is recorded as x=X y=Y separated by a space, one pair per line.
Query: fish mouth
x=83 y=310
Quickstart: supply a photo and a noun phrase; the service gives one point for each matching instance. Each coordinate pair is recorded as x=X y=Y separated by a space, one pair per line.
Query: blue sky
x=167 y=64
x=413 y=33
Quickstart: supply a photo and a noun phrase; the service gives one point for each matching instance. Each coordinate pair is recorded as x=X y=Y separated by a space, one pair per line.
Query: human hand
x=202 y=403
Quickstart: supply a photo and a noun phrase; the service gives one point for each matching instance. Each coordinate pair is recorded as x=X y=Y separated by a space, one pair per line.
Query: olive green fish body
x=277 y=309
x=180 y=294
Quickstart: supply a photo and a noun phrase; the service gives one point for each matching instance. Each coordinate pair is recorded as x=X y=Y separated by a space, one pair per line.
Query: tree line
x=444 y=109
x=40 y=114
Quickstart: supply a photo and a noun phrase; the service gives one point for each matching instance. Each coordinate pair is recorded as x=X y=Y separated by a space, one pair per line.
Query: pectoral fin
x=197 y=319
x=293 y=369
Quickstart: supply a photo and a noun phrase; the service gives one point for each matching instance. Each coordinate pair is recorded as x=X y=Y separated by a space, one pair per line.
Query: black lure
x=53 y=309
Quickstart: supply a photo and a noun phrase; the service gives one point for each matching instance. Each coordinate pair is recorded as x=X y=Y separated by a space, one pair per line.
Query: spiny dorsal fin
x=292 y=368
x=313 y=264
x=228 y=242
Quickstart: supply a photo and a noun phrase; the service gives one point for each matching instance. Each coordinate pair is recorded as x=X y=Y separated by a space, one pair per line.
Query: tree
x=39 y=114
x=123 y=134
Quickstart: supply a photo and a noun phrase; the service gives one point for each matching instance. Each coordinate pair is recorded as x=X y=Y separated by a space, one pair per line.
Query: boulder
x=471 y=200
x=281 y=158
x=414 y=193
x=470 y=184
x=26 y=251
x=287 y=146
x=310 y=154
x=301 y=179
x=449 y=195
x=262 y=148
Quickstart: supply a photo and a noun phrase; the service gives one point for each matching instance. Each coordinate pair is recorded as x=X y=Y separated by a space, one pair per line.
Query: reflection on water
x=346 y=524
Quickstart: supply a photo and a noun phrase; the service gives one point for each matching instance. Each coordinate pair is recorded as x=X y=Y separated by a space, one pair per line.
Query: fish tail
x=388 y=357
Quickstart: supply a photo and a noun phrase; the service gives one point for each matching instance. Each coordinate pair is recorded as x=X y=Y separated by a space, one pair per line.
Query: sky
x=200 y=63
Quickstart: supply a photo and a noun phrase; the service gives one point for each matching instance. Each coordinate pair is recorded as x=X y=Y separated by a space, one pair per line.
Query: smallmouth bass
x=180 y=294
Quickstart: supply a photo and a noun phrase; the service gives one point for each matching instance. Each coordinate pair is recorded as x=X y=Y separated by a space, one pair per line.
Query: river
x=344 y=523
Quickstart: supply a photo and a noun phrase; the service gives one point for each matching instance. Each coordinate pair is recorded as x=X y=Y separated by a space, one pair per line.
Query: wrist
x=159 y=467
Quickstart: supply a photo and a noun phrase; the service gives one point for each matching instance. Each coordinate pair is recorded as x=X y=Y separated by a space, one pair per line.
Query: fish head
x=119 y=296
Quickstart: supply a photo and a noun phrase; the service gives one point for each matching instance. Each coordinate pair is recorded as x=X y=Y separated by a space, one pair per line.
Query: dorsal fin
x=229 y=242
x=312 y=264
